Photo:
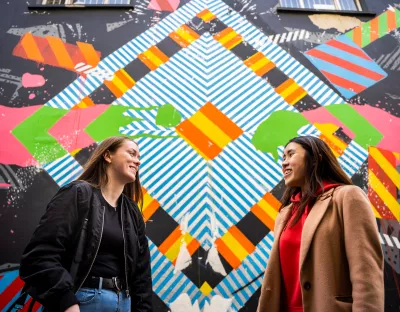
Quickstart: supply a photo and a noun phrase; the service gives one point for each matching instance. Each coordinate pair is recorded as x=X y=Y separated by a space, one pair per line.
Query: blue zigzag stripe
x=63 y=170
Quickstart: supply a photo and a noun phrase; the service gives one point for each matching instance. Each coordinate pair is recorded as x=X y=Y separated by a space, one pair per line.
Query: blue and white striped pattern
x=77 y=90
x=169 y=283
x=63 y=170
x=352 y=159
x=250 y=268
x=315 y=87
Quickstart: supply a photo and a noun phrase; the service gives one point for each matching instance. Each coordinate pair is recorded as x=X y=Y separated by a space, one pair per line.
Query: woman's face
x=294 y=165
x=124 y=162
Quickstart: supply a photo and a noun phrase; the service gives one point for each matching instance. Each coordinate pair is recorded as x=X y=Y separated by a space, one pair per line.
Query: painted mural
x=211 y=90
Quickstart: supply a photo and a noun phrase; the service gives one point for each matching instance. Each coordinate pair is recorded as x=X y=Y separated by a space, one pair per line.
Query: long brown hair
x=321 y=165
x=95 y=173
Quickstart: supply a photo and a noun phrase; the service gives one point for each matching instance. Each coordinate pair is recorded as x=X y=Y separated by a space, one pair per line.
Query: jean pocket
x=86 y=295
x=348 y=299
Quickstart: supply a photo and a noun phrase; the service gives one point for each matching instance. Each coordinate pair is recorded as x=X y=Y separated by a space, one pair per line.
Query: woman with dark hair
x=326 y=255
x=112 y=272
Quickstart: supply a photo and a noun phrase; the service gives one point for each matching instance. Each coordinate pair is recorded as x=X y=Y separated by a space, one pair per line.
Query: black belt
x=113 y=283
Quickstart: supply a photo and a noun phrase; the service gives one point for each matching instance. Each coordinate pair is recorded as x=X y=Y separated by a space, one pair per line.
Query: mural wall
x=212 y=90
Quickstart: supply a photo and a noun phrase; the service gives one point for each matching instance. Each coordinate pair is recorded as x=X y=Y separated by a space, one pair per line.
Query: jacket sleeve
x=43 y=261
x=363 y=251
x=142 y=290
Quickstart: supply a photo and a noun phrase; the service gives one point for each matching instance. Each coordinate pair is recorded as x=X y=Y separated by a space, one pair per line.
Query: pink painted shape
x=32 y=81
x=164 y=5
x=5 y=186
x=322 y=115
x=32 y=96
x=68 y=131
x=12 y=152
x=385 y=123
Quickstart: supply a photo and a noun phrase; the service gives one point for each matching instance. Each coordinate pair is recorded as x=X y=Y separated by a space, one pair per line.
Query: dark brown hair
x=95 y=173
x=321 y=165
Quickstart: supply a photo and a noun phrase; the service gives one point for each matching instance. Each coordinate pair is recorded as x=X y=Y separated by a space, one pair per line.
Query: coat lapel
x=312 y=222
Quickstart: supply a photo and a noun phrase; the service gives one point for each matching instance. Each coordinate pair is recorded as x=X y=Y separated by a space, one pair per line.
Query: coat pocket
x=348 y=299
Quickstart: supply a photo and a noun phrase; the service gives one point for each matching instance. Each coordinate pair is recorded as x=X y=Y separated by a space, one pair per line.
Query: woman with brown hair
x=326 y=255
x=89 y=251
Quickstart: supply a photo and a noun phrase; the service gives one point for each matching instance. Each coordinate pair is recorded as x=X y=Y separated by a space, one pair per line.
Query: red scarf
x=289 y=252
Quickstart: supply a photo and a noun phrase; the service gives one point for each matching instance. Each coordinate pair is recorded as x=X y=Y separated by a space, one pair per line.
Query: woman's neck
x=111 y=192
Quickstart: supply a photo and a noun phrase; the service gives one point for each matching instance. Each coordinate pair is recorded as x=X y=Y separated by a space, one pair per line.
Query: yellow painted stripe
x=208 y=16
x=376 y=213
x=384 y=194
x=146 y=200
x=386 y=166
x=289 y=90
x=328 y=129
x=234 y=246
x=261 y=63
x=192 y=145
x=119 y=84
x=127 y=76
x=296 y=99
x=210 y=129
x=228 y=37
x=153 y=58
x=173 y=251
x=267 y=208
x=185 y=35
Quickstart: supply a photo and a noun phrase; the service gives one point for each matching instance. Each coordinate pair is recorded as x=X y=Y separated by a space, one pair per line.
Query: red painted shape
x=345 y=64
x=69 y=130
x=344 y=83
x=12 y=152
x=379 y=205
x=36 y=306
x=10 y=292
x=349 y=49
x=382 y=176
x=164 y=5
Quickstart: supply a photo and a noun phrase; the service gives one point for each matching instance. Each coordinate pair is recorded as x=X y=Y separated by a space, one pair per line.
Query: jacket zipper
x=98 y=247
x=123 y=235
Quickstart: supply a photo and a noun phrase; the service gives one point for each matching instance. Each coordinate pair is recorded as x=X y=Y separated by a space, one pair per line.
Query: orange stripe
x=272 y=200
x=254 y=59
x=147 y=62
x=374 y=29
x=284 y=85
x=150 y=209
x=233 y=42
x=193 y=246
x=190 y=31
x=144 y=191
x=391 y=19
x=198 y=139
x=243 y=240
x=31 y=49
x=263 y=217
x=88 y=101
x=265 y=69
x=223 y=122
x=113 y=88
x=62 y=56
x=179 y=40
x=122 y=76
x=170 y=240
x=228 y=255
x=294 y=96
x=331 y=144
x=157 y=52
x=357 y=37
x=92 y=57
x=223 y=33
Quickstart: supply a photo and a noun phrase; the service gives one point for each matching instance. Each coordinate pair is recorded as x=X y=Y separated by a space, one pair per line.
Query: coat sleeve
x=142 y=288
x=363 y=251
x=42 y=265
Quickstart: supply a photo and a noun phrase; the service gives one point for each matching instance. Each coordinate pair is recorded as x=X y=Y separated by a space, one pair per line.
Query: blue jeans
x=92 y=299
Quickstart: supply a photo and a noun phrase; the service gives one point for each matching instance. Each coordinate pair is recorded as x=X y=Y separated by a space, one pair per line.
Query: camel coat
x=341 y=260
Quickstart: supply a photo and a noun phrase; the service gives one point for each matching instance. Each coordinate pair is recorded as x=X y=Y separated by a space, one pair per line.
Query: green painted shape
x=383 y=24
x=365 y=134
x=108 y=123
x=397 y=12
x=350 y=34
x=277 y=130
x=168 y=116
x=33 y=134
x=365 y=34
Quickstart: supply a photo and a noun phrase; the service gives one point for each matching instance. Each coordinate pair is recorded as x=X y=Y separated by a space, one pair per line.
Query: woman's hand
x=74 y=308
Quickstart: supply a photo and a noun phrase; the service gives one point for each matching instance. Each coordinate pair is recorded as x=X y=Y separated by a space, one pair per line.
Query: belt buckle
x=114 y=280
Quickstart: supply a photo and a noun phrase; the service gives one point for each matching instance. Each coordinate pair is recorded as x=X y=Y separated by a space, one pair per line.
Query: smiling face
x=124 y=162
x=294 y=165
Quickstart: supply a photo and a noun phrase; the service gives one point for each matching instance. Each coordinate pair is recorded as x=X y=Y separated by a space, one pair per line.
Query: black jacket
x=47 y=259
